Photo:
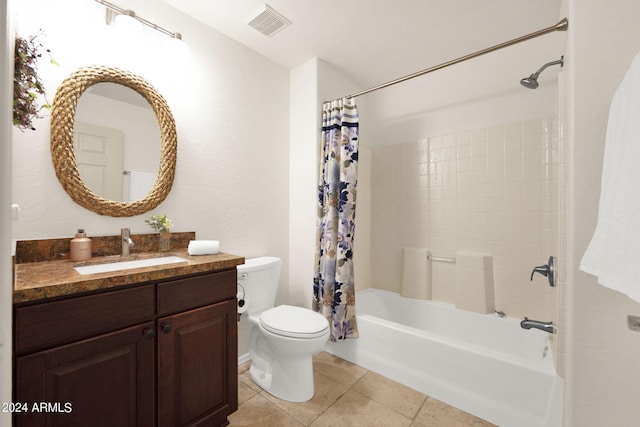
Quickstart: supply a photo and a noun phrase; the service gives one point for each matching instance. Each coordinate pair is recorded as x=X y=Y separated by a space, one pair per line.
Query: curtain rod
x=562 y=25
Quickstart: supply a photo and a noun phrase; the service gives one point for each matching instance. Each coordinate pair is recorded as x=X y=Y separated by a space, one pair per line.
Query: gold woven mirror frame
x=63 y=111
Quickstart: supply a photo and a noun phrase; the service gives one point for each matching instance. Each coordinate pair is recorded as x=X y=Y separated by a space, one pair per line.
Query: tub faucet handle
x=546 y=270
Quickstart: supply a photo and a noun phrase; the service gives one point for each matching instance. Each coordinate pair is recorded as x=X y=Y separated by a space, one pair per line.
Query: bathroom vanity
x=140 y=347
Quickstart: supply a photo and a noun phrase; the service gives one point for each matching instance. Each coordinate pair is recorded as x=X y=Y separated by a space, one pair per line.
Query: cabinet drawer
x=59 y=322
x=192 y=292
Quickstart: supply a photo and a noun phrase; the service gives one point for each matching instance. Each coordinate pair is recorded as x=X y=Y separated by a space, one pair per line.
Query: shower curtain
x=333 y=287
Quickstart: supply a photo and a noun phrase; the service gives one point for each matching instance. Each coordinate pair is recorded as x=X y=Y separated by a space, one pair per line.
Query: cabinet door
x=105 y=381
x=198 y=366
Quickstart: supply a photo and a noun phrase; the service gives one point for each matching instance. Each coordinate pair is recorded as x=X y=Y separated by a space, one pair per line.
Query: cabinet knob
x=149 y=334
x=166 y=328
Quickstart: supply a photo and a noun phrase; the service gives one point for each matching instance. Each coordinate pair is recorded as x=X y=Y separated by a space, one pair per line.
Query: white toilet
x=283 y=339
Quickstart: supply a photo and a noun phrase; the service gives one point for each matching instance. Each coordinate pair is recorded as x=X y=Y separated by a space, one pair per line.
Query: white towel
x=416 y=273
x=614 y=252
x=204 y=247
x=140 y=184
x=474 y=282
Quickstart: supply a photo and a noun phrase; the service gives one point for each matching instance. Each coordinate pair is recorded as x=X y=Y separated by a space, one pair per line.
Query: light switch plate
x=633 y=322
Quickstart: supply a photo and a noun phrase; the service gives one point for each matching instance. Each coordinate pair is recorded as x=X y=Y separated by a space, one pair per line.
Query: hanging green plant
x=26 y=82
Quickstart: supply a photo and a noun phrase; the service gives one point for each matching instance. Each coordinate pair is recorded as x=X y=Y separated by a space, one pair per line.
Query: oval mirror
x=81 y=143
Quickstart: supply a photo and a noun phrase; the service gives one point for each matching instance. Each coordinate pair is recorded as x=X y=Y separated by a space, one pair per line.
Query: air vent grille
x=267 y=21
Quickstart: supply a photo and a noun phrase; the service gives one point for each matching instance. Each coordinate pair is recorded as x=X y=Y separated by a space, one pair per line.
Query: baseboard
x=244 y=358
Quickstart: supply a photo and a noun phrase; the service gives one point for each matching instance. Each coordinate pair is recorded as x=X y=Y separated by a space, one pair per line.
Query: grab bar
x=442 y=259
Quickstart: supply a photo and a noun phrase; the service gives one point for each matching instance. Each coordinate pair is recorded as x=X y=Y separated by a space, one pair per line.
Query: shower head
x=531 y=82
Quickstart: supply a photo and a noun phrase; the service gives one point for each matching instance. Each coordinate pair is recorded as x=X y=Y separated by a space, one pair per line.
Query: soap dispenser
x=80 y=247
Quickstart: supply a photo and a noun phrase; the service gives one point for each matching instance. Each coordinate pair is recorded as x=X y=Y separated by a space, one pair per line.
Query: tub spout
x=543 y=326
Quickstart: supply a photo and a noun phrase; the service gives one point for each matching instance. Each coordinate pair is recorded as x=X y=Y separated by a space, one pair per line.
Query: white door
x=99 y=157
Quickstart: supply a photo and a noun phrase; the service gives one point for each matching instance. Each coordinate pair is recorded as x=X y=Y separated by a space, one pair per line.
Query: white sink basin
x=127 y=265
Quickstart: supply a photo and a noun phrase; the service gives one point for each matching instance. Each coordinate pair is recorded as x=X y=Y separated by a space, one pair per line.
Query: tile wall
x=492 y=190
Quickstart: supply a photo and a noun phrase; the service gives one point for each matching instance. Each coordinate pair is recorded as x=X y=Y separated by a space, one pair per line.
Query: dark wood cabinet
x=103 y=381
x=157 y=354
x=197 y=374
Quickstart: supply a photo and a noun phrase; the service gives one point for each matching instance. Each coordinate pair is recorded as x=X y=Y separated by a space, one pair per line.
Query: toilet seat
x=294 y=322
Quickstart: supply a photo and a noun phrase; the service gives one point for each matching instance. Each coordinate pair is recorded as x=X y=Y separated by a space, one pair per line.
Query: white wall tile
x=490 y=190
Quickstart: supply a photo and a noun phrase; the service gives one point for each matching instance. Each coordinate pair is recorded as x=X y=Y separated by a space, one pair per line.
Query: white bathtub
x=480 y=363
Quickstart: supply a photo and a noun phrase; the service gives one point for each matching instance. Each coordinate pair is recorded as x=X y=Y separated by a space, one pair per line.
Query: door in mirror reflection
x=99 y=157
x=104 y=111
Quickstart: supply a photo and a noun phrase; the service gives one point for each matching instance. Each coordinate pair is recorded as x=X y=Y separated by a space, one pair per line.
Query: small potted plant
x=162 y=225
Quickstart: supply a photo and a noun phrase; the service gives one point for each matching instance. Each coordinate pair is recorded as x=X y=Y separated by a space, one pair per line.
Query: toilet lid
x=295 y=322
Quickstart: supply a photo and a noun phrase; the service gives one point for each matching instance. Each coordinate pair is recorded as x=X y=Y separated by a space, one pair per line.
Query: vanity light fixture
x=117 y=13
x=126 y=23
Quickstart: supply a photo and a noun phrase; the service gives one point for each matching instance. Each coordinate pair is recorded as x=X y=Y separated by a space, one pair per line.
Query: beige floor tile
x=435 y=413
x=244 y=377
x=327 y=391
x=260 y=412
x=346 y=395
x=338 y=369
x=245 y=392
x=391 y=394
x=355 y=410
x=244 y=367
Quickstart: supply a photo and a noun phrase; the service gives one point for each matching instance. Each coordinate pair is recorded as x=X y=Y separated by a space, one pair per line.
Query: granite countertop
x=39 y=280
x=43 y=270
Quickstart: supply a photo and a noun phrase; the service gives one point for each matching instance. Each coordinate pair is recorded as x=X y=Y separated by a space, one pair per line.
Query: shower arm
x=545 y=66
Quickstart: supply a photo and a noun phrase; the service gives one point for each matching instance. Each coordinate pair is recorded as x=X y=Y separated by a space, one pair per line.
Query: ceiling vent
x=267 y=21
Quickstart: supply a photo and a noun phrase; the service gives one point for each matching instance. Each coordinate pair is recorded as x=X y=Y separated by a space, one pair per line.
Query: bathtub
x=480 y=363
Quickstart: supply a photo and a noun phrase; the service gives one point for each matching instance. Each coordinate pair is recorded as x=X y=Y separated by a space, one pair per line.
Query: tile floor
x=346 y=395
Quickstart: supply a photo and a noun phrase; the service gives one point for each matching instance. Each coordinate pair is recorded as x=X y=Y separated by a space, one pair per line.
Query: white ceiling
x=374 y=41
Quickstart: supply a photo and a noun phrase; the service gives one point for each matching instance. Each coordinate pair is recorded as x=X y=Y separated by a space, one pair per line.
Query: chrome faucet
x=543 y=326
x=126 y=241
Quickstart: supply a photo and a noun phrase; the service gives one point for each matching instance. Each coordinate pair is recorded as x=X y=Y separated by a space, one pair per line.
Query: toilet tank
x=259 y=277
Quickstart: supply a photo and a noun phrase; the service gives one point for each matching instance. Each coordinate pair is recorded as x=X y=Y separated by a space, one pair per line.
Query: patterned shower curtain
x=333 y=287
